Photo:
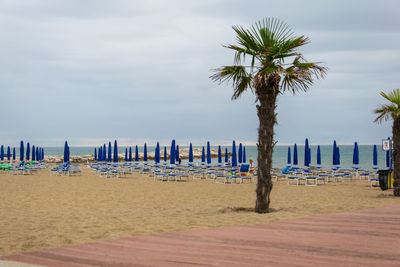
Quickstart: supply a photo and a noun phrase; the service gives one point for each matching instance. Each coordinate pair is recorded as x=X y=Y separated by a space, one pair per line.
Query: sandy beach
x=43 y=211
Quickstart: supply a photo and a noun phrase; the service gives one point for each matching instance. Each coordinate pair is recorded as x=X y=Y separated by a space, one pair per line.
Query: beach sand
x=42 y=211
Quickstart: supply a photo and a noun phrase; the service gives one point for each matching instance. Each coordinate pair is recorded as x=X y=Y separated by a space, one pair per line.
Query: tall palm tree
x=270 y=45
x=387 y=112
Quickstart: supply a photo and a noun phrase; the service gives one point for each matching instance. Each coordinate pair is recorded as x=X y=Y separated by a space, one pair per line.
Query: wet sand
x=42 y=211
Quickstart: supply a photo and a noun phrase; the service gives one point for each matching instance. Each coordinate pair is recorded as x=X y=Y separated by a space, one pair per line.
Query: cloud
x=90 y=70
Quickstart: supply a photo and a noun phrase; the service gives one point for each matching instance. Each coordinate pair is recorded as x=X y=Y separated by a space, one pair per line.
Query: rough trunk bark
x=396 y=157
x=267 y=89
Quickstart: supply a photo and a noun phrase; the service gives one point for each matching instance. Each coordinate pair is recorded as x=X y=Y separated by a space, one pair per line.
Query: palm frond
x=386 y=112
x=389 y=111
x=299 y=76
x=237 y=74
x=296 y=81
x=269 y=43
x=393 y=96
x=240 y=53
x=246 y=39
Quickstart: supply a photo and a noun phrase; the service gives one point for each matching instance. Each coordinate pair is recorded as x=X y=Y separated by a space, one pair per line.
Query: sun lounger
x=374 y=181
x=235 y=175
x=297 y=179
x=314 y=180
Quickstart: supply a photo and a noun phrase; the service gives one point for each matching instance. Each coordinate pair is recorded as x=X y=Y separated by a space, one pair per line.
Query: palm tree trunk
x=396 y=157
x=267 y=89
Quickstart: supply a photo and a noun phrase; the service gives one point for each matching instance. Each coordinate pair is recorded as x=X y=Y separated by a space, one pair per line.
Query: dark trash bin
x=383 y=179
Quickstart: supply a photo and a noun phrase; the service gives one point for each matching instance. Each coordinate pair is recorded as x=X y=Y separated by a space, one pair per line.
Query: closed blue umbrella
x=334 y=157
x=37 y=153
x=172 y=153
x=100 y=155
x=33 y=153
x=244 y=154
x=95 y=154
x=136 y=153
x=356 y=159
x=391 y=154
x=2 y=153
x=203 y=156
x=14 y=153
x=387 y=158
x=21 y=151
x=126 y=154
x=115 y=159
x=190 y=153
x=234 y=158
x=68 y=153
x=318 y=155
x=66 y=156
x=104 y=150
x=295 y=158
x=28 y=151
x=145 y=152
x=109 y=155
x=337 y=156
x=306 y=151
x=375 y=157
x=289 y=160
x=240 y=153
x=8 y=153
x=208 y=153
x=42 y=153
x=165 y=154
x=157 y=154
x=130 y=153
x=177 y=153
x=219 y=155
x=226 y=155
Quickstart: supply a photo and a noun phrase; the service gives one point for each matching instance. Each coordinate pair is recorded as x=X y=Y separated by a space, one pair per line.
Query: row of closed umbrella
x=34 y=153
x=100 y=154
x=335 y=155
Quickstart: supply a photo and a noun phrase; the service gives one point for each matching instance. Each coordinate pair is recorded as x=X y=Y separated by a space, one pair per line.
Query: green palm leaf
x=269 y=43
x=389 y=111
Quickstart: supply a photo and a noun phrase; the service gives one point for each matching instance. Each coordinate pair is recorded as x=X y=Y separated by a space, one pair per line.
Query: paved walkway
x=363 y=238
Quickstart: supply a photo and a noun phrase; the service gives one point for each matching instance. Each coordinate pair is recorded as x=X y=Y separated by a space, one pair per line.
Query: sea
x=279 y=157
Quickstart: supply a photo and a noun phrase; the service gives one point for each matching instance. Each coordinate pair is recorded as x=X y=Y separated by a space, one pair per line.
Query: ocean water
x=279 y=156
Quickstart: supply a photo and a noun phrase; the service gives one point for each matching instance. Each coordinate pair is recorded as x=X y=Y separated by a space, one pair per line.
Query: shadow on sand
x=241 y=210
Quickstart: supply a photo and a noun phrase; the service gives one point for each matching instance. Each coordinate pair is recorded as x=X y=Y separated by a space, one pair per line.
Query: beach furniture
x=296 y=177
x=327 y=176
x=299 y=180
x=65 y=169
x=74 y=170
x=314 y=180
x=374 y=181
x=235 y=175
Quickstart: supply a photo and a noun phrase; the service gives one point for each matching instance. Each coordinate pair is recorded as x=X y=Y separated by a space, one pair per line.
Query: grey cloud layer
x=90 y=70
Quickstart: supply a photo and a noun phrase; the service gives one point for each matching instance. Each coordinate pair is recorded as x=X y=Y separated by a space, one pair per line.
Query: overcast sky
x=95 y=70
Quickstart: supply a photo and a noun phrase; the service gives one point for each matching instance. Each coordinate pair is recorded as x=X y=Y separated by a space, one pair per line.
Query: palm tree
x=269 y=44
x=392 y=112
